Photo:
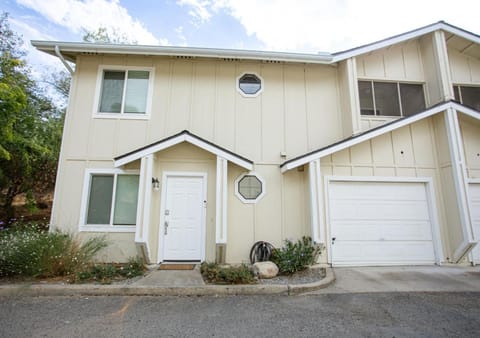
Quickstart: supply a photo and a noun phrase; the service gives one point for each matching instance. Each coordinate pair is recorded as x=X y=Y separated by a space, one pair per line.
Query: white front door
x=474 y=195
x=183 y=217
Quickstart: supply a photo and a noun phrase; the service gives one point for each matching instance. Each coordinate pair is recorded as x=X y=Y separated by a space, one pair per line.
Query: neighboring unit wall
x=410 y=151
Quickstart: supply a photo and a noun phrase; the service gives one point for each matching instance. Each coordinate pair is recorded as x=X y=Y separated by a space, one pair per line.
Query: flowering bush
x=295 y=257
x=30 y=251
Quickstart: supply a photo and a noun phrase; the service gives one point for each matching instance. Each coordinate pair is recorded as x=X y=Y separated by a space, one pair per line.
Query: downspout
x=60 y=56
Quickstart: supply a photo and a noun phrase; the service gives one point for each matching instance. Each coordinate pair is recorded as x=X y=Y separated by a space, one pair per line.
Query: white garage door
x=379 y=223
x=474 y=195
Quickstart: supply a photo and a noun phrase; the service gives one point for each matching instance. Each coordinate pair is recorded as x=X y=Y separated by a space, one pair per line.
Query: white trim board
x=184 y=136
x=340 y=56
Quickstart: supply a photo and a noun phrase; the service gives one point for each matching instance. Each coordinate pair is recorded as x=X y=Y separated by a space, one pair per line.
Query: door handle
x=166 y=227
x=333 y=240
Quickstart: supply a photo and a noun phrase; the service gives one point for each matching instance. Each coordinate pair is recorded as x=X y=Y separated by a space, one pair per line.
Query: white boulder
x=265 y=270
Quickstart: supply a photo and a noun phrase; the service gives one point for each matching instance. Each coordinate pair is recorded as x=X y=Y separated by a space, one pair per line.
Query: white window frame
x=83 y=226
x=259 y=197
x=262 y=84
x=121 y=115
x=398 y=83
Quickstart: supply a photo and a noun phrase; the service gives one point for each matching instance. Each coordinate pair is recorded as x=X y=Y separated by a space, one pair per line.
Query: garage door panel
x=378 y=191
x=374 y=253
x=378 y=230
x=369 y=210
x=380 y=223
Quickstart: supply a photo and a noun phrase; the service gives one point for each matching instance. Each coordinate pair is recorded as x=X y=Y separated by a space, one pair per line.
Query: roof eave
x=77 y=48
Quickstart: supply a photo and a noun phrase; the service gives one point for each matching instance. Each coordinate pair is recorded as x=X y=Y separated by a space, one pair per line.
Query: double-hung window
x=468 y=95
x=124 y=92
x=110 y=200
x=390 y=98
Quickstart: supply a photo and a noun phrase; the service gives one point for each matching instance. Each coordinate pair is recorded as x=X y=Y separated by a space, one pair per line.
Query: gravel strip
x=301 y=277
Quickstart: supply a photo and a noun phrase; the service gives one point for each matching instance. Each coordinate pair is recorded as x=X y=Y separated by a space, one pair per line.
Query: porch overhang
x=372 y=133
x=184 y=136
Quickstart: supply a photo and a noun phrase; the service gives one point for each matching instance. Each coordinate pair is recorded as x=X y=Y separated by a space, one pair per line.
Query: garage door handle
x=166 y=228
x=333 y=240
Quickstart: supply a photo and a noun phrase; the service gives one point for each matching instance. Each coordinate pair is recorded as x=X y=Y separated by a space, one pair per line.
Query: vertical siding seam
x=415 y=163
x=193 y=79
x=395 y=166
x=261 y=117
x=215 y=104
x=306 y=106
x=284 y=112
x=171 y=65
x=374 y=165
x=235 y=108
x=403 y=62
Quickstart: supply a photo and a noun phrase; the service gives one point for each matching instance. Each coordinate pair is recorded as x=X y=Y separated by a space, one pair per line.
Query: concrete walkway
x=337 y=280
x=175 y=278
x=405 y=279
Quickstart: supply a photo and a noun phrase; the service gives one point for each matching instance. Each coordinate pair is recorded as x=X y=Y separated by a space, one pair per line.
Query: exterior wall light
x=155 y=184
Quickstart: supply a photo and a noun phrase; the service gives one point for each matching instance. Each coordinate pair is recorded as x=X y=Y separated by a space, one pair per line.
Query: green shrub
x=133 y=268
x=106 y=273
x=295 y=257
x=214 y=273
x=31 y=251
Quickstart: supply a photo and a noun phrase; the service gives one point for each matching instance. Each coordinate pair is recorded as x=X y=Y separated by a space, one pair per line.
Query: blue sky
x=281 y=25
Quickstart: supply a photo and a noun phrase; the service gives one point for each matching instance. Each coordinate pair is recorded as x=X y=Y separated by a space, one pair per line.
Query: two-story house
x=193 y=154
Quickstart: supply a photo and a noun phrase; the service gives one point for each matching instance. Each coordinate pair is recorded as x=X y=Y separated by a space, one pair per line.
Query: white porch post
x=459 y=171
x=143 y=206
x=221 y=201
x=316 y=202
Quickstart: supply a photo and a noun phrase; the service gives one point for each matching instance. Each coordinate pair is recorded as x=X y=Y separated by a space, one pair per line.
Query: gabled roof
x=372 y=133
x=184 y=136
x=441 y=25
x=70 y=50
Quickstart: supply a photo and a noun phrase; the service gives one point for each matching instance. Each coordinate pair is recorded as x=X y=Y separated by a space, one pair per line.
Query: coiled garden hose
x=261 y=252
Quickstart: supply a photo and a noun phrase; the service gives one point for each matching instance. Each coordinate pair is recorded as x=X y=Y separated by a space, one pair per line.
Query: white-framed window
x=250 y=84
x=468 y=95
x=379 y=98
x=250 y=187
x=123 y=92
x=109 y=202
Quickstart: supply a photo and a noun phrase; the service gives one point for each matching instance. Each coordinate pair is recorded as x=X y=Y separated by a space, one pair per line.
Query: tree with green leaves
x=30 y=127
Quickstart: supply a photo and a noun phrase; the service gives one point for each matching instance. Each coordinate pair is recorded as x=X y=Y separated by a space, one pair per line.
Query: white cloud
x=89 y=15
x=333 y=25
x=201 y=9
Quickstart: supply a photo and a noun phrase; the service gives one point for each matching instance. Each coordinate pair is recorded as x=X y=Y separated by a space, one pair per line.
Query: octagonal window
x=249 y=188
x=250 y=84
